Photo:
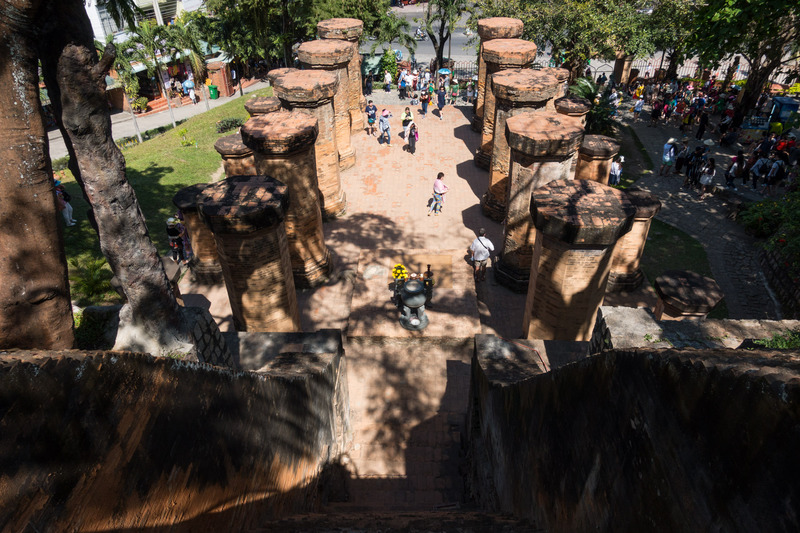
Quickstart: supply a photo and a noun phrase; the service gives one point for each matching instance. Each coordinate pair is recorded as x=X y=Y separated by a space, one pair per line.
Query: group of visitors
x=181 y=87
x=410 y=127
x=415 y=85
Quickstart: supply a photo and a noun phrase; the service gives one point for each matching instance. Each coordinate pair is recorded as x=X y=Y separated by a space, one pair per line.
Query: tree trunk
x=35 y=308
x=759 y=75
x=151 y=321
x=672 y=69
x=160 y=82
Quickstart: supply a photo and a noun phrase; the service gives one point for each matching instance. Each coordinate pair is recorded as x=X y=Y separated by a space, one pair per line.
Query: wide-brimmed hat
x=385 y=113
x=708 y=142
x=672 y=140
x=622 y=159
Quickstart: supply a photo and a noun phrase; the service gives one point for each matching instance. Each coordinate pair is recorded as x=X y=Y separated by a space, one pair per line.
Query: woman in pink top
x=439 y=190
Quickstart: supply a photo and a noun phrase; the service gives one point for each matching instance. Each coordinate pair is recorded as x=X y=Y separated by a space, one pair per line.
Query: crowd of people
x=413 y=85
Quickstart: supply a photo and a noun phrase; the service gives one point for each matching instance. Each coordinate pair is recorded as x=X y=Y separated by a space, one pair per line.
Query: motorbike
x=420 y=35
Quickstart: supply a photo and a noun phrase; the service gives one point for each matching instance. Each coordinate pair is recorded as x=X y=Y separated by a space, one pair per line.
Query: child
x=415 y=99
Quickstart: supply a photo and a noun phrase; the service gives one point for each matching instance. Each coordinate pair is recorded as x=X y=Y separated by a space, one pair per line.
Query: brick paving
x=732 y=254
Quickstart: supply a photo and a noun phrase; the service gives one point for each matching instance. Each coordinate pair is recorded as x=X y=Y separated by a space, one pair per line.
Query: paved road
x=122 y=123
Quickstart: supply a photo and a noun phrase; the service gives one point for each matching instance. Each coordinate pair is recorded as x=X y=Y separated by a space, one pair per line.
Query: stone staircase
x=160 y=104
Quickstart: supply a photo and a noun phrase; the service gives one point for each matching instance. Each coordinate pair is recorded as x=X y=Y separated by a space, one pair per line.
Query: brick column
x=246 y=215
x=334 y=56
x=683 y=294
x=237 y=158
x=626 y=274
x=283 y=145
x=499 y=54
x=573 y=106
x=562 y=75
x=577 y=224
x=594 y=158
x=205 y=266
x=311 y=92
x=261 y=105
x=542 y=148
x=349 y=30
x=489 y=29
x=276 y=73
x=515 y=91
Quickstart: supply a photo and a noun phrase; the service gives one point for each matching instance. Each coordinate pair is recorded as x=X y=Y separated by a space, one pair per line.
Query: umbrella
x=189 y=84
x=444 y=71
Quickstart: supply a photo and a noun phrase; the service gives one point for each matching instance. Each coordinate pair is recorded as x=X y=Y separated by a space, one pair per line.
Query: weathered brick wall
x=102 y=441
x=673 y=440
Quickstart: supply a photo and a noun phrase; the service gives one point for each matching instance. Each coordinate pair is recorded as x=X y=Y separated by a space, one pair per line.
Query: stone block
x=261 y=105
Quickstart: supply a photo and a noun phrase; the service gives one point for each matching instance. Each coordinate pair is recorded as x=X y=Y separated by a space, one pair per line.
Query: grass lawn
x=157 y=169
x=668 y=248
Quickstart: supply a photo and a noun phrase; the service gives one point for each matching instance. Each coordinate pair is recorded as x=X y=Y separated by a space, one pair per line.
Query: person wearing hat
x=63 y=199
x=384 y=128
x=668 y=156
x=175 y=232
x=454 y=90
x=682 y=157
x=480 y=251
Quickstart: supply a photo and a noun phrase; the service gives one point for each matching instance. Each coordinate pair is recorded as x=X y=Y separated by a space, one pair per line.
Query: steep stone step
x=464 y=521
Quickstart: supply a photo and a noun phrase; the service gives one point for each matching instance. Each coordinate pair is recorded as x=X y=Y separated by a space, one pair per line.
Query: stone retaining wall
x=114 y=441
x=786 y=289
x=672 y=440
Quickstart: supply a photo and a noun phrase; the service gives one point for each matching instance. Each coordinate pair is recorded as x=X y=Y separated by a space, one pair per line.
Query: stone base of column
x=513 y=278
x=625 y=282
x=483 y=160
x=356 y=121
x=312 y=274
x=477 y=124
x=206 y=272
x=492 y=208
x=334 y=209
x=347 y=159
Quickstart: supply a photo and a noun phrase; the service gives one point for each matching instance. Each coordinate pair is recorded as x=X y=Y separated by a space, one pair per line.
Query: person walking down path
x=412 y=137
x=439 y=190
x=406 y=118
x=441 y=100
x=372 y=115
x=616 y=170
x=667 y=157
x=637 y=109
x=63 y=198
x=384 y=127
x=481 y=250
x=703 y=123
x=424 y=100
x=387 y=81
x=707 y=177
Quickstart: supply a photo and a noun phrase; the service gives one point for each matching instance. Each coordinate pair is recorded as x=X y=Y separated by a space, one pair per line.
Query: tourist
x=412 y=138
x=406 y=118
x=368 y=86
x=694 y=167
x=64 y=206
x=439 y=190
x=441 y=100
x=615 y=175
x=775 y=175
x=655 y=114
x=601 y=80
x=384 y=128
x=454 y=90
x=414 y=99
x=480 y=250
x=735 y=170
x=372 y=115
x=424 y=100
x=470 y=85
x=637 y=109
x=667 y=157
x=387 y=81
x=760 y=169
x=702 y=124
x=401 y=86
x=175 y=232
x=707 y=177
x=682 y=157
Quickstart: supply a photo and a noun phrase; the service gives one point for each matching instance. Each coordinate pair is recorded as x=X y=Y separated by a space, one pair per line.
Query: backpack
x=65 y=195
x=780 y=175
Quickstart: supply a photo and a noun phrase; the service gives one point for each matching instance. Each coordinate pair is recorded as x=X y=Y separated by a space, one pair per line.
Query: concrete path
x=732 y=253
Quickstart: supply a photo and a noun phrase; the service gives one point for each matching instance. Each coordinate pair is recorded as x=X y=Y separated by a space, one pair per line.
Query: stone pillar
x=489 y=29
x=246 y=215
x=573 y=106
x=283 y=146
x=349 y=30
x=276 y=73
x=205 y=265
x=626 y=274
x=237 y=158
x=499 y=54
x=622 y=67
x=312 y=92
x=542 y=148
x=562 y=75
x=595 y=157
x=683 y=294
x=577 y=224
x=514 y=91
x=261 y=105
x=334 y=56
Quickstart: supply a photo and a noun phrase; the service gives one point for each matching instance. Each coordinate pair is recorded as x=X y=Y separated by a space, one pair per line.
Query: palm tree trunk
x=164 y=92
x=35 y=308
x=133 y=117
x=151 y=319
x=206 y=96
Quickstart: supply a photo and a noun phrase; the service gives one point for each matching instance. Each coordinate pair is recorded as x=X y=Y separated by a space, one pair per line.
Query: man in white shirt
x=481 y=249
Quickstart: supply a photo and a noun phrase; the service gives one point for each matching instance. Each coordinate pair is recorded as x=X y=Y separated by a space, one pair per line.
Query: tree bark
x=35 y=308
x=151 y=320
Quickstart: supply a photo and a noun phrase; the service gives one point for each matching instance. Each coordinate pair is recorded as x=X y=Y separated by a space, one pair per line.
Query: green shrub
x=90 y=279
x=139 y=104
x=228 y=124
x=62 y=163
x=789 y=340
x=388 y=62
x=778 y=221
x=185 y=140
x=762 y=219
